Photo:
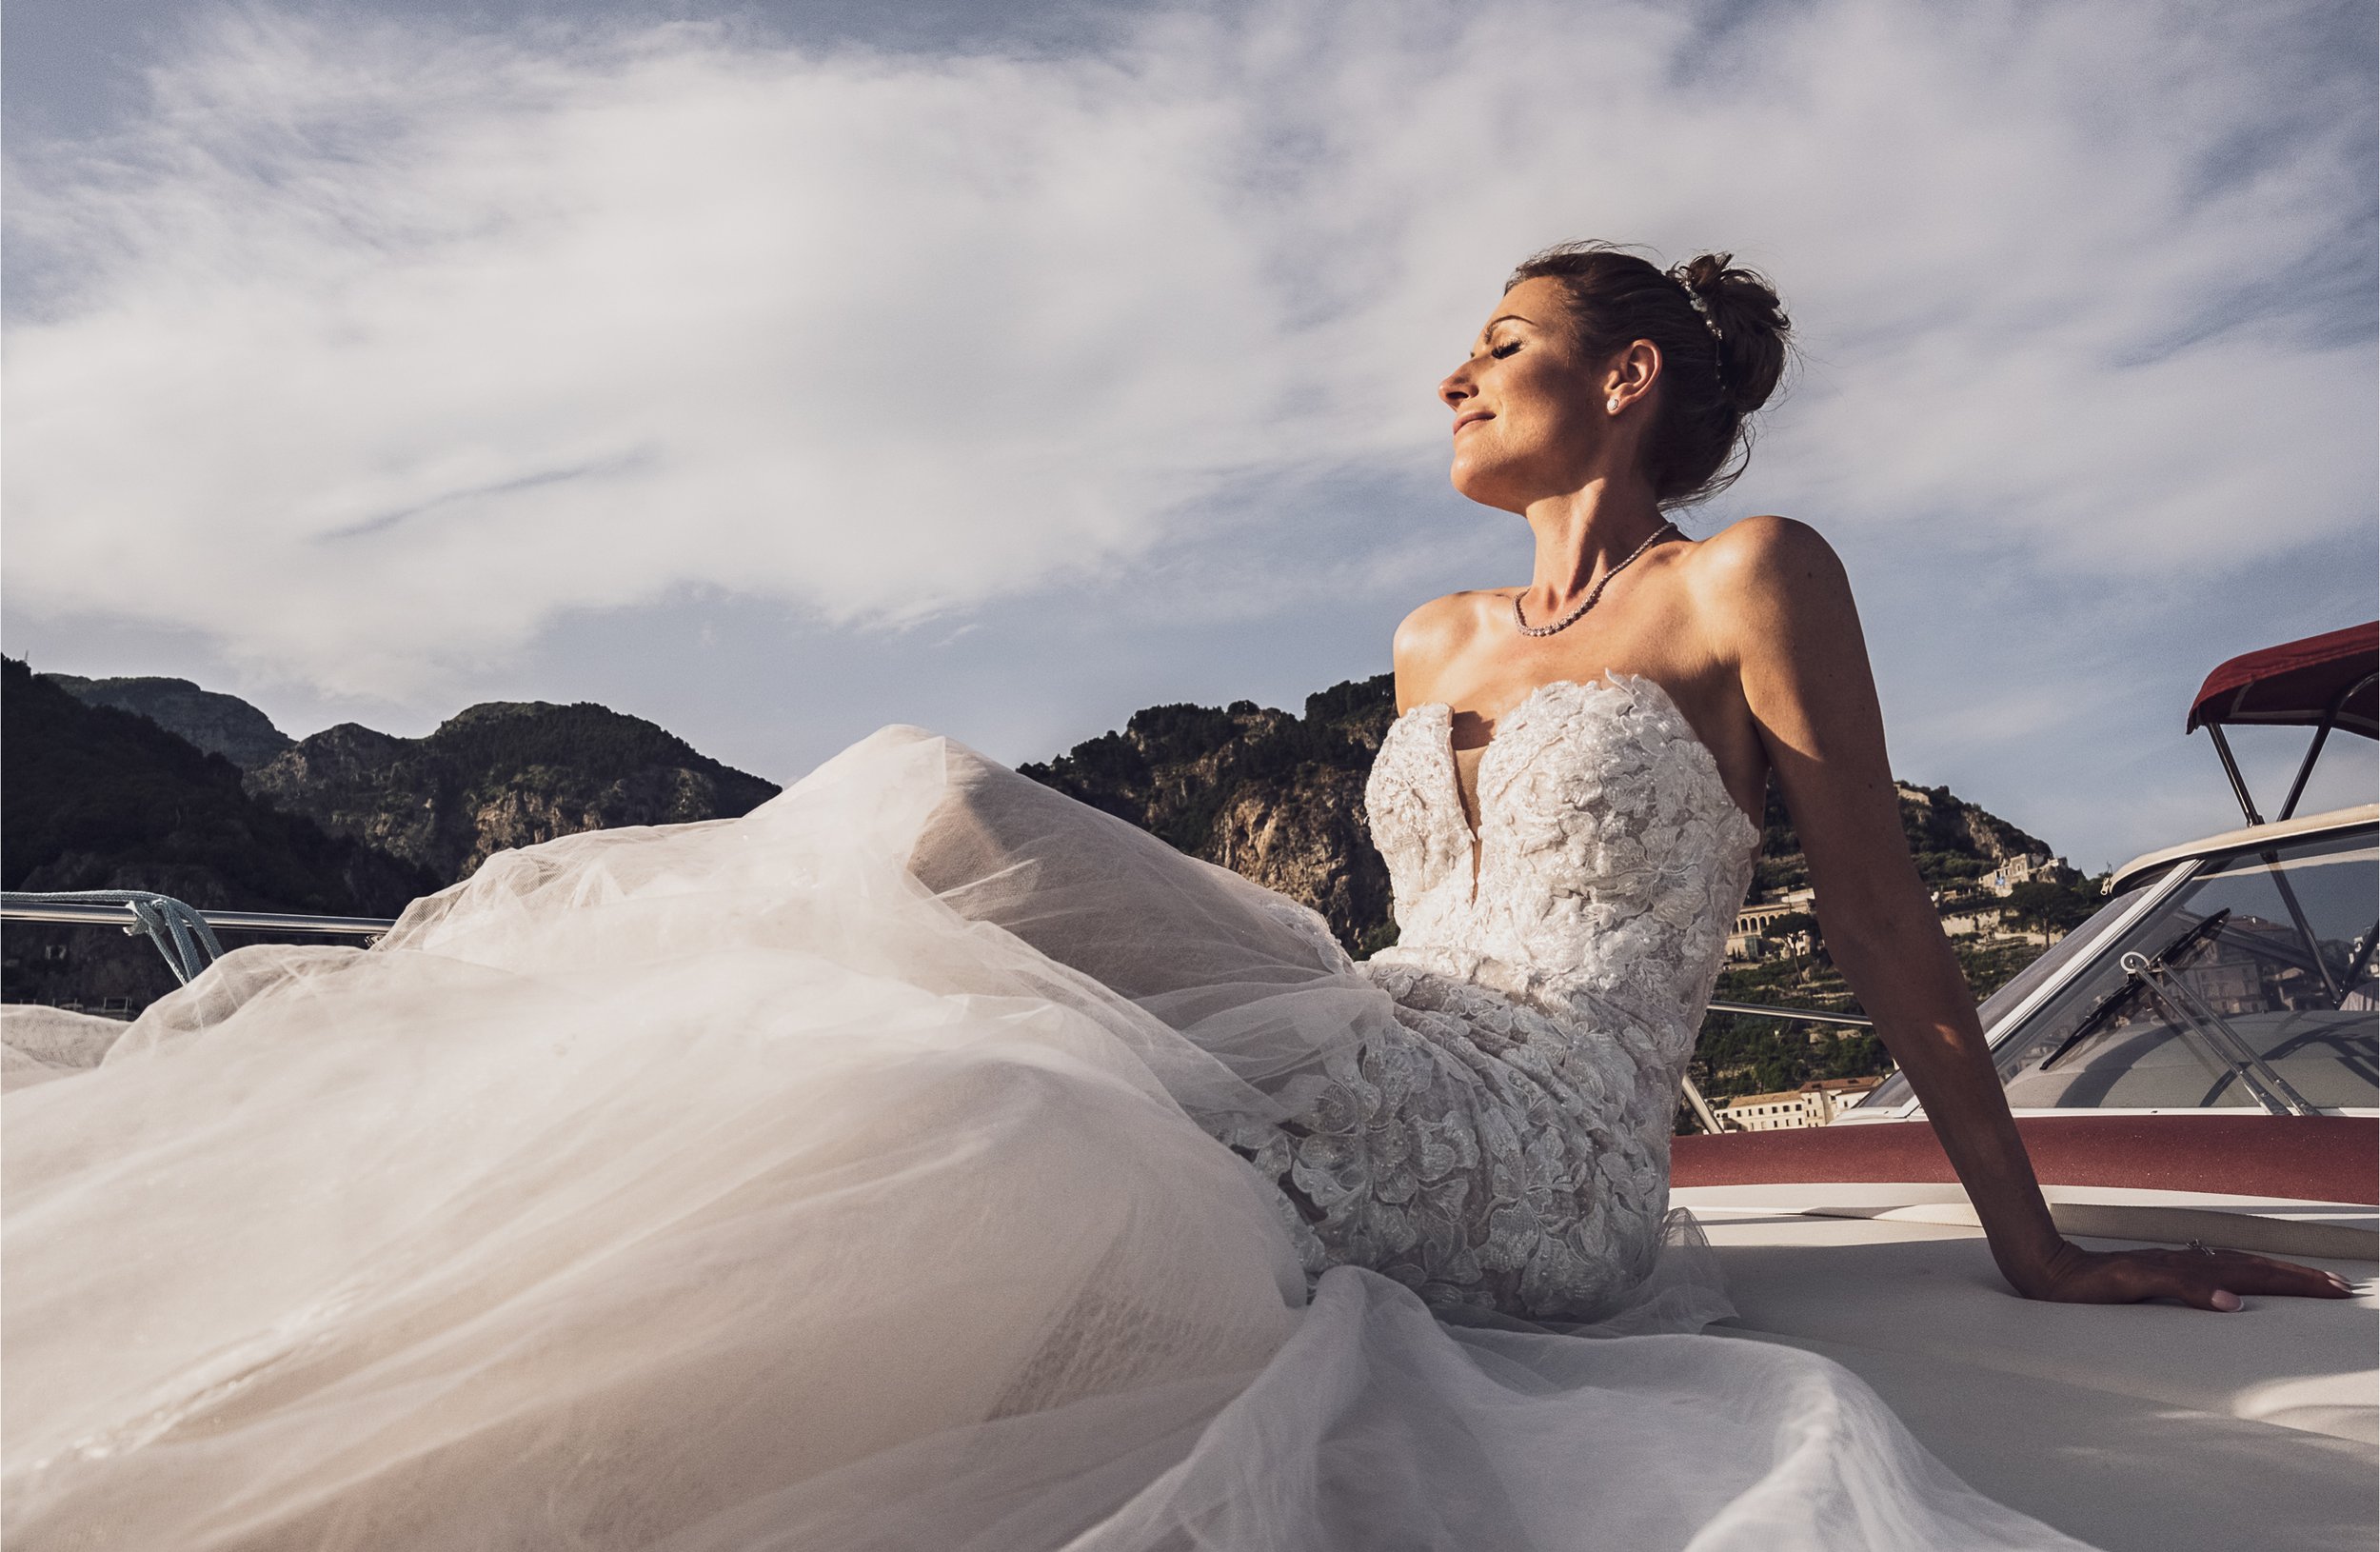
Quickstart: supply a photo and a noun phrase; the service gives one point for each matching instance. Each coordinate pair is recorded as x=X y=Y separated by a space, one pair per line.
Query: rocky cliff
x=1275 y=797
x=507 y=773
x=216 y=722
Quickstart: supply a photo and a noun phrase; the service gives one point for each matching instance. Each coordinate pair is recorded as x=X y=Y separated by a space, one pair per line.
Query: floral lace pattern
x=1512 y=1153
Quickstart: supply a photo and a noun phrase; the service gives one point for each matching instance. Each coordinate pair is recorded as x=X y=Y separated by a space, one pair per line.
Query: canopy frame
x=2349 y=660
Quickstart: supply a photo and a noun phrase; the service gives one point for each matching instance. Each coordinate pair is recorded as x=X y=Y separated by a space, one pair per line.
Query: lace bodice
x=1611 y=859
x=1514 y=1149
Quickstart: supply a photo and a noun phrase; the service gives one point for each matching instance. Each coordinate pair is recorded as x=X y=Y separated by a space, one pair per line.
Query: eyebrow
x=1502 y=318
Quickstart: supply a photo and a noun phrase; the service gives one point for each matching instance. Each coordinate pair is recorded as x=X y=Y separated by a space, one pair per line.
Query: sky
x=778 y=371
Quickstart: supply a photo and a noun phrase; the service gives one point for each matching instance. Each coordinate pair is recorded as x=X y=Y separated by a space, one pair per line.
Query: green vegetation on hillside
x=593 y=743
x=1952 y=842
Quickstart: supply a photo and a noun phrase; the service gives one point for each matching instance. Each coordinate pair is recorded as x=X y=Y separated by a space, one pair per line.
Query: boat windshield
x=2251 y=986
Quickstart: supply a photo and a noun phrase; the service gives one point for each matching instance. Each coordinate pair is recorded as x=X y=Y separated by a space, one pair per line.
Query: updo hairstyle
x=1715 y=373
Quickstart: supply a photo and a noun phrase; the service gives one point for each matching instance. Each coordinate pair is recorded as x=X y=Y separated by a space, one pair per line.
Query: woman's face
x=1529 y=413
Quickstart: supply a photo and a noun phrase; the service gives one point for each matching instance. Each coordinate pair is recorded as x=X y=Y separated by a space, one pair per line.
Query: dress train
x=842 y=1176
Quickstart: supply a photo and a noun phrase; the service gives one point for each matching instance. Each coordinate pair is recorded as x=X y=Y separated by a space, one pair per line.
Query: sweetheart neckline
x=1612 y=679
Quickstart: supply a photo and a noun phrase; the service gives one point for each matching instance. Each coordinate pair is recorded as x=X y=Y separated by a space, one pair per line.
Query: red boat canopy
x=2299 y=685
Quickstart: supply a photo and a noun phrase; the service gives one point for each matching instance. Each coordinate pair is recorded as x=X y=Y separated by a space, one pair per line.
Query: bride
x=928 y=1161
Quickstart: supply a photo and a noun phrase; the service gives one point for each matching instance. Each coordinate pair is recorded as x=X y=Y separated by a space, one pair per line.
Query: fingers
x=2255 y=1273
x=2219 y=1280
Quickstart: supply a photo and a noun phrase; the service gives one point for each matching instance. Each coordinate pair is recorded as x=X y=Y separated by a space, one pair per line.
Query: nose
x=1457 y=386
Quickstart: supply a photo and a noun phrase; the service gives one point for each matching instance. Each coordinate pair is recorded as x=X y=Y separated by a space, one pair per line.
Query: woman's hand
x=2209 y=1279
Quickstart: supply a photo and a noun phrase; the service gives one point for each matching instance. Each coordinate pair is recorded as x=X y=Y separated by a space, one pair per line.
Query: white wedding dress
x=926 y=1160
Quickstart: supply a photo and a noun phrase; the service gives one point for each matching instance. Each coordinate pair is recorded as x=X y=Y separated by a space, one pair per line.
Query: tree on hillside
x=1789 y=930
x=2048 y=905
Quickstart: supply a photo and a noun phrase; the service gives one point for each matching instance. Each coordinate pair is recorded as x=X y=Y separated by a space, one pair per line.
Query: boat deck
x=2137 y=1428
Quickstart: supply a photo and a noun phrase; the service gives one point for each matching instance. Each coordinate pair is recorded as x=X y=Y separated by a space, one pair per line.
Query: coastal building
x=1750 y=938
x=2002 y=881
x=1814 y=1103
x=1752 y=918
x=1746 y=941
x=1762 y=1113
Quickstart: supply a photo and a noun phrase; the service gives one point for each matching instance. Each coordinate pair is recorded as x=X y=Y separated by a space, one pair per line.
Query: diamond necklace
x=1593 y=593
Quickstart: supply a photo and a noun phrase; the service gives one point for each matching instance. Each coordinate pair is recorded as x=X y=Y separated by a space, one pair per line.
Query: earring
x=1611 y=404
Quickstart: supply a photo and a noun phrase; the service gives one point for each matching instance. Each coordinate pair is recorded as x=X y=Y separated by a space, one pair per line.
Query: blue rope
x=180 y=934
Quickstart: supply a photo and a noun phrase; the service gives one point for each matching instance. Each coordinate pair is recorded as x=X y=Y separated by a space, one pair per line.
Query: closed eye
x=1505 y=349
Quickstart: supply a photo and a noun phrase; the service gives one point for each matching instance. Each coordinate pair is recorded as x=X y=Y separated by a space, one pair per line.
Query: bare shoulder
x=1430 y=637
x=1761 y=555
x=1747 y=579
x=1771 y=599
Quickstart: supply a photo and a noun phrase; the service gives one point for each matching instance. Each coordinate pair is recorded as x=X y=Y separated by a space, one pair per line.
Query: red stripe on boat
x=2304 y=1157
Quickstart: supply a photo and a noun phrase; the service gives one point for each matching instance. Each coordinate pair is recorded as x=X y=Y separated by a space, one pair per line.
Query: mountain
x=216 y=722
x=1280 y=799
x=507 y=773
x=138 y=783
x=100 y=798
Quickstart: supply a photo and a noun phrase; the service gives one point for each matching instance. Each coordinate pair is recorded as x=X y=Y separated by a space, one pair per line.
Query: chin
x=1476 y=484
x=1468 y=477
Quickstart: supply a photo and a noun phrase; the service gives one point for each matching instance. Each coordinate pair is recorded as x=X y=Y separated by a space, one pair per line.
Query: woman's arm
x=1788 y=623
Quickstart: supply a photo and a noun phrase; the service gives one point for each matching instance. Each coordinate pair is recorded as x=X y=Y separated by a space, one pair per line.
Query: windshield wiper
x=2134 y=983
x=2217 y=1042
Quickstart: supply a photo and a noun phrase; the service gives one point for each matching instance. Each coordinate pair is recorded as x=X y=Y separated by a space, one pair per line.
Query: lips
x=1476 y=415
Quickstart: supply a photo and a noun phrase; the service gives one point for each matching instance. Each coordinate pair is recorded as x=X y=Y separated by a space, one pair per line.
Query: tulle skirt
x=841 y=1176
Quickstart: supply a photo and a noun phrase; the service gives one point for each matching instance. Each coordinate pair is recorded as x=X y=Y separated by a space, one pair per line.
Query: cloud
x=366 y=353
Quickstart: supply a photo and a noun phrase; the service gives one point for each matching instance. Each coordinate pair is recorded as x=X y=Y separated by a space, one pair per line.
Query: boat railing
x=183 y=934
x=77 y=913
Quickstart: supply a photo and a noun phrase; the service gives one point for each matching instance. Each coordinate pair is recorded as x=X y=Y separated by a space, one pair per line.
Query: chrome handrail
x=222 y=921
x=1804 y=1015
x=1700 y=1106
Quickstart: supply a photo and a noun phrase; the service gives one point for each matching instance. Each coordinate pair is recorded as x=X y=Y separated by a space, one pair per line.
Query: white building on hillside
x=1814 y=1103
x=2002 y=881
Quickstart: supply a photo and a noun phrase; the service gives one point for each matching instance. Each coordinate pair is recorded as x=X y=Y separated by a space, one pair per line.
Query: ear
x=1633 y=372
